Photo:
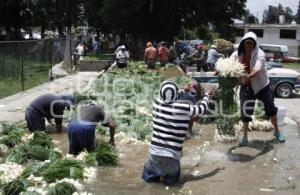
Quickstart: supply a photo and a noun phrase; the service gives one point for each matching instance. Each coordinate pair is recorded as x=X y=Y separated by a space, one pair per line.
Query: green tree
x=297 y=16
x=163 y=19
x=288 y=14
x=11 y=19
x=47 y=14
x=271 y=15
x=250 y=18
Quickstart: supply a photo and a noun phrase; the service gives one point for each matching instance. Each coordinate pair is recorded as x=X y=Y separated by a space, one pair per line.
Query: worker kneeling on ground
x=170 y=126
x=81 y=129
x=47 y=106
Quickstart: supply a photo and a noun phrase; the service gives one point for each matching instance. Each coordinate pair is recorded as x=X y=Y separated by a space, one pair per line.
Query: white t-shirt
x=80 y=50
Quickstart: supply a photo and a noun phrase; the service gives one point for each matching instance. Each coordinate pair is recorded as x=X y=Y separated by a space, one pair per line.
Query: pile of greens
x=11 y=135
x=59 y=169
x=63 y=188
x=36 y=153
x=125 y=92
x=228 y=116
x=103 y=155
x=38 y=148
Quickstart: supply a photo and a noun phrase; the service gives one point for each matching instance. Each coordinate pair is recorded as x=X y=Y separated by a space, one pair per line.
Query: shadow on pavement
x=188 y=178
x=263 y=146
x=294 y=96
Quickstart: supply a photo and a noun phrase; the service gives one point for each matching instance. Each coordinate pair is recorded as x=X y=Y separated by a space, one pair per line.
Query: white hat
x=213 y=46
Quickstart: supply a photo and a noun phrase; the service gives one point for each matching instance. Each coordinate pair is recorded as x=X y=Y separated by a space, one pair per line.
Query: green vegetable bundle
x=7 y=128
x=63 y=188
x=36 y=169
x=11 y=135
x=40 y=138
x=103 y=155
x=26 y=152
x=124 y=91
x=14 y=187
x=66 y=168
x=225 y=125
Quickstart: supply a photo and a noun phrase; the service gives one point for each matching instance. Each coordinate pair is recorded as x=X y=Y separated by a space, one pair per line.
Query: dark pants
x=203 y=66
x=151 y=64
x=160 y=166
x=210 y=66
x=265 y=95
x=35 y=120
x=122 y=65
x=163 y=63
x=81 y=136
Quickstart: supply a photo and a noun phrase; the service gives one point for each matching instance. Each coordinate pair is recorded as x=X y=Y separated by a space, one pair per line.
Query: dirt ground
x=207 y=167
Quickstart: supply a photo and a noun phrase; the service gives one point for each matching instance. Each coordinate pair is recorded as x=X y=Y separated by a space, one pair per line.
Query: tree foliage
x=297 y=16
x=46 y=14
x=163 y=19
x=271 y=15
x=146 y=19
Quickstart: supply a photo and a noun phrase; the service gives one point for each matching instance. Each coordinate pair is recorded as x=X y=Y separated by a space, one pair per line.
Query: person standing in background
x=150 y=56
x=163 y=54
x=212 y=57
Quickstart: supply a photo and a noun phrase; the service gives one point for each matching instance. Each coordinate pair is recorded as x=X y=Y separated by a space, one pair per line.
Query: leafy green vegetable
x=54 y=155
x=40 y=138
x=14 y=187
x=36 y=169
x=25 y=152
x=63 y=188
x=8 y=128
x=11 y=140
x=66 y=168
x=103 y=155
x=122 y=91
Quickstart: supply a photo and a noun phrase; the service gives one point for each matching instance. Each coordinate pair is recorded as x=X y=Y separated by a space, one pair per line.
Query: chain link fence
x=25 y=64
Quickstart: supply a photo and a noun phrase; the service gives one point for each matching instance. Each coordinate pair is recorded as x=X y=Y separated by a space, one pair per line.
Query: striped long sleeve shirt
x=170 y=126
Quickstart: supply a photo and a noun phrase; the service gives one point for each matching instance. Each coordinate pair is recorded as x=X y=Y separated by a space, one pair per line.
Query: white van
x=274 y=52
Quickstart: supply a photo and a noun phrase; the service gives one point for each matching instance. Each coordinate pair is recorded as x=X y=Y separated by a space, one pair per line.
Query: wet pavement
x=209 y=167
x=12 y=108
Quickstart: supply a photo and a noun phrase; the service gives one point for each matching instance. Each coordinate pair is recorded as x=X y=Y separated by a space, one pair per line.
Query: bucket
x=280 y=115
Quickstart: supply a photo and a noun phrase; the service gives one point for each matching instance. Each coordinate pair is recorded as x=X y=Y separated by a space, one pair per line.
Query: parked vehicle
x=283 y=80
x=274 y=65
x=278 y=53
x=194 y=43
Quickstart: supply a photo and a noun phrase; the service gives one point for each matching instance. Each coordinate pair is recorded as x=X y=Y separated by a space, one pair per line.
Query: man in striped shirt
x=170 y=126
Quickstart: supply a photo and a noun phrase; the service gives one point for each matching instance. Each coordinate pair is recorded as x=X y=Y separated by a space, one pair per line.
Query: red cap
x=199 y=46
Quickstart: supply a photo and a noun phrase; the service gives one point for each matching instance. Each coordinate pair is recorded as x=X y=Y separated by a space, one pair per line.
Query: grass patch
x=294 y=66
x=98 y=57
x=35 y=73
x=10 y=86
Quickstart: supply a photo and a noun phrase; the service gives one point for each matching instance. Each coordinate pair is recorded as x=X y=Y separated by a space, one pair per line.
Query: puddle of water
x=123 y=179
x=201 y=155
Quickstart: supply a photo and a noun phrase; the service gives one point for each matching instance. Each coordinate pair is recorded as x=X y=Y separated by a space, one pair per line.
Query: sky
x=257 y=7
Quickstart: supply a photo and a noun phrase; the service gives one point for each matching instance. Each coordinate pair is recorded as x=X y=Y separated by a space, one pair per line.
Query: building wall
x=271 y=35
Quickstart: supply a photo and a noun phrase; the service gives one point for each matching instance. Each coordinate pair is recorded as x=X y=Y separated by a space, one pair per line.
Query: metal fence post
x=71 y=61
x=22 y=68
x=52 y=60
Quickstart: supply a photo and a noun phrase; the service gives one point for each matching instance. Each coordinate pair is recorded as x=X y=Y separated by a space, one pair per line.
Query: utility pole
x=69 y=30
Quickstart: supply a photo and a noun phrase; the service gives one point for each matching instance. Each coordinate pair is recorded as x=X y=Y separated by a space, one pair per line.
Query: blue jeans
x=81 y=136
x=35 y=120
x=161 y=166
